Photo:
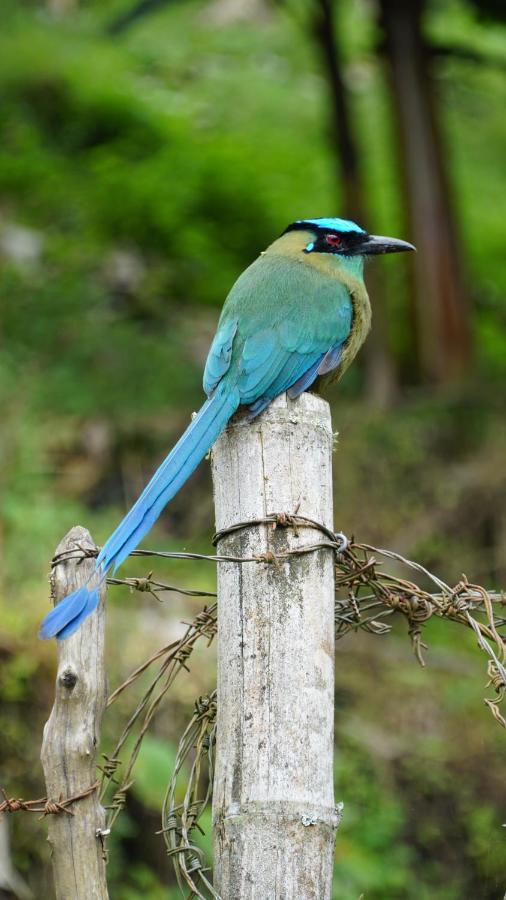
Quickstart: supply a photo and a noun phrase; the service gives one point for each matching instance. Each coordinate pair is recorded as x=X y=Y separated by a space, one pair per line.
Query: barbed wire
x=335 y=541
x=179 y=821
x=366 y=595
x=45 y=805
x=174 y=659
x=371 y=596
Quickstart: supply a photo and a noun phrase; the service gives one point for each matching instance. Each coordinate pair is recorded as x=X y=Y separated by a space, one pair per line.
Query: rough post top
x=308 y=407
x=276 y=463
x=76 y=537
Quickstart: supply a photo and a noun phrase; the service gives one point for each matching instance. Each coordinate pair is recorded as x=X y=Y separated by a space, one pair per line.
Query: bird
x=294 y=320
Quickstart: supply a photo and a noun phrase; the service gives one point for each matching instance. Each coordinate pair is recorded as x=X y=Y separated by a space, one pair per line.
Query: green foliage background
x=138 y=176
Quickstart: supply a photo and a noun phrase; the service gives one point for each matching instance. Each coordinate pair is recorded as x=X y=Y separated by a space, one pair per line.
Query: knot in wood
x=68 y=679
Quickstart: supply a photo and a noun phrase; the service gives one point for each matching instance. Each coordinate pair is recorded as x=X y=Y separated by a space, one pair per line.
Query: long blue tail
x=200 y=435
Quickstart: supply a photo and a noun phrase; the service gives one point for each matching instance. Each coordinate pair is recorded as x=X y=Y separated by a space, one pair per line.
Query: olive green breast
x=361 y=326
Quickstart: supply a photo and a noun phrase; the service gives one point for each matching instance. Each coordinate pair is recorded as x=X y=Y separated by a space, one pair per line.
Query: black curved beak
x=374 y=244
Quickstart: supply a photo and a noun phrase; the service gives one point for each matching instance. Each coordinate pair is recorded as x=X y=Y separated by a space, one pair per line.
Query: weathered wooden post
x=274 y=817
x=71 y=736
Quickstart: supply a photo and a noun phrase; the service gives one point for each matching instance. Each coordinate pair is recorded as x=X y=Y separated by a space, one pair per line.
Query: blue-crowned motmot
x=296 y=317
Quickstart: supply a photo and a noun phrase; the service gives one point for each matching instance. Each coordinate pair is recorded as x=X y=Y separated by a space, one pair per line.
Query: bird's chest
x=361 y=321
x=360 y=327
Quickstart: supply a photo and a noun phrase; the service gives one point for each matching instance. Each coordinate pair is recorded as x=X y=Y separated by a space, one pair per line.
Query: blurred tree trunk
x=381 y=382
x=11 y=883
x=441 y=310
x=61 y=7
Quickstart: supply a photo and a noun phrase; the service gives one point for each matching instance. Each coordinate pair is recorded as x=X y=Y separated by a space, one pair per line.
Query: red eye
x=334 y=240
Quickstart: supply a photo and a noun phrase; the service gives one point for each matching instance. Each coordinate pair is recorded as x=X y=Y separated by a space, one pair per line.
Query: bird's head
x=340 y=238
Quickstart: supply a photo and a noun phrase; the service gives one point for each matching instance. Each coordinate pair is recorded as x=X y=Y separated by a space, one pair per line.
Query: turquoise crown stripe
x=333 y=224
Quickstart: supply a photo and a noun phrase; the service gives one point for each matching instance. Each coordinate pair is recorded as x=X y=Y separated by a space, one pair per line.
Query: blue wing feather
x=296 y=365
x=220 y=354
x=331 y=360
x=294 y=351
x=305 y=381
x=324 y=364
